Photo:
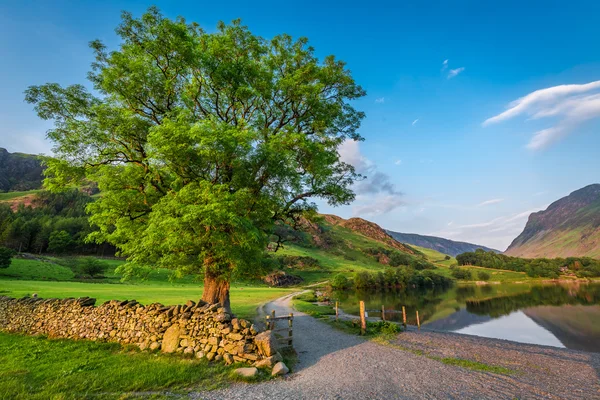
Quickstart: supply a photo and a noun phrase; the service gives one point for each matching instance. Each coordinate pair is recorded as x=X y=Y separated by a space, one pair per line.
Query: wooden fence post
x=404 y=316
x=363 y=320
x=290 y=331
x=382 y=312
x=272 y=320
x=418 y=322
x=336 y=311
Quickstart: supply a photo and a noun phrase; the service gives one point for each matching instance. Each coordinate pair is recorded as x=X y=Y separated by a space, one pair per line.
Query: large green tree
x=202 y=142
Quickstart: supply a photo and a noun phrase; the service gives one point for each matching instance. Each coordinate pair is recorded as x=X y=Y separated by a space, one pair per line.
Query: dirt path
x=335 y=365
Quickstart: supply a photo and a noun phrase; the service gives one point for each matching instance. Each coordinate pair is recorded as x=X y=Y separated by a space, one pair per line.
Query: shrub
x=385 y=327
x=6 y=256
x=91 y=266
x=483 y=275
x=339 y=282
x=462 y=274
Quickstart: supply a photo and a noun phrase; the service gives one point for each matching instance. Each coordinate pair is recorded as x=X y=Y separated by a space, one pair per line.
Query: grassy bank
x=40 y=368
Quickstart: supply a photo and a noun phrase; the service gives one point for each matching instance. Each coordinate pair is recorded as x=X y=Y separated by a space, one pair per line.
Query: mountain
x=569 y=227
x=442 y=245
x=19 y=172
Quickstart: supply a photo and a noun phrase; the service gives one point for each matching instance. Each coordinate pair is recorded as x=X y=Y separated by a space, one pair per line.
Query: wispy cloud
x=444 y=65
x=380 y=100
x=415 y=122
x=398 y=162
x=489 y=202
x=454 y=72
x=497 y=232
x=570 y=104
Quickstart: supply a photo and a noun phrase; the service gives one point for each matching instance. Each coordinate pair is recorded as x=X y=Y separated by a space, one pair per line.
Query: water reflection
x=554 y=315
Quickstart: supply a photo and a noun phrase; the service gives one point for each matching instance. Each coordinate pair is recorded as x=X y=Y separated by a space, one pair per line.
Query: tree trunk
x=216 y=291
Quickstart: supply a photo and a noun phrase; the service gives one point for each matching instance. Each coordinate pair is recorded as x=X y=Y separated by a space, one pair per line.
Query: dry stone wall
x=193 y=329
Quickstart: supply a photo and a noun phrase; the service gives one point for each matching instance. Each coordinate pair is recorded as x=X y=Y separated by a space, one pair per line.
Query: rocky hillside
x=442 y=245
x=568 y=227
x=19 y=172
x=370 y=230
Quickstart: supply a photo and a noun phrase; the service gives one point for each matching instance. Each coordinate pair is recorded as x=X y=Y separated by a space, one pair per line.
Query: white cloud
x=488 y=202
x=377 y=205
x=398 y=162
x=496 y=233
x=454 y=72
x=450 y=223
x=380 y=100
x=444 y=65
x=570 y=104
x=415 y=122
x=376 y=182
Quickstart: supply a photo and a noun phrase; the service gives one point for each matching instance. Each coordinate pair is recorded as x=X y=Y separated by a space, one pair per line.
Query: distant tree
x=6 y=256
x=201 y=143
x=59 y=242
x=462 y=274
x=91 y=266
x=447 y=258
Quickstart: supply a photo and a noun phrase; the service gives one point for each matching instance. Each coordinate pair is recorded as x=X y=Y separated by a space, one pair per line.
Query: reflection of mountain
x=577 y=327
x=517 y=327
x=458 y=320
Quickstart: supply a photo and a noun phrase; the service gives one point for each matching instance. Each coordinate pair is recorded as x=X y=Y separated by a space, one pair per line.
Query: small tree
x=91 y=266
x=6 y=256
x=202 y=142
x=59 y=242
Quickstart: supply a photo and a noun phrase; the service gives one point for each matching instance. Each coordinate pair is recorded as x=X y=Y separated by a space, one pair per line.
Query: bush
x=483 y=276
x=462 y=274
x=340 y=282
x=91 y=266
x=385 y=327
x=6 y=256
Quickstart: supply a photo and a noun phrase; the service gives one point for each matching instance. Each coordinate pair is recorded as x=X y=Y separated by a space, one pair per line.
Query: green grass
x=38 y=368
x=13 y=195
x=244 y=299
x=34 y=269
x=474 y=365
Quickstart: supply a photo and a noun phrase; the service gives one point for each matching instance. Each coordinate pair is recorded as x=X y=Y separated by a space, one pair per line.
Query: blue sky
x=434 y=165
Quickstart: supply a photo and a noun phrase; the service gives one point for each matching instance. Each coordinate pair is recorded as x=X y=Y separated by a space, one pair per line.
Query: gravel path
x=335 y=365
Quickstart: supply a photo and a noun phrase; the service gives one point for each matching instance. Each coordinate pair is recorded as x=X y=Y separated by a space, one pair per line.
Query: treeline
x=53 y=223
x=396 y=258
x=583 y=267
x=397 y=278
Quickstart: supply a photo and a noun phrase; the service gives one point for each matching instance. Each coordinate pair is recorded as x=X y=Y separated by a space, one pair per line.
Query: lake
x=561 y=315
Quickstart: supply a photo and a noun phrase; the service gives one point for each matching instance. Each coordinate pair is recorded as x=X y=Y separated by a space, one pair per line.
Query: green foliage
x=339 y=281
x=400 y=278
x=28 y=228
x=91 y=266
x=59 y=242
x=6 y=256
x=483 y=276
x=584 y=267
x=383 y=327
x=462 y=274
x=201 y=142
x=475 y=365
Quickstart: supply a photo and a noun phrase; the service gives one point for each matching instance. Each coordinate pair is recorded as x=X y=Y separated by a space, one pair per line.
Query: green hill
x=19 y=172
x=569 y=227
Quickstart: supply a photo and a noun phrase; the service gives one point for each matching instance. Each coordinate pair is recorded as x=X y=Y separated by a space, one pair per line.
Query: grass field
x=244 y=299
x=39 y=368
